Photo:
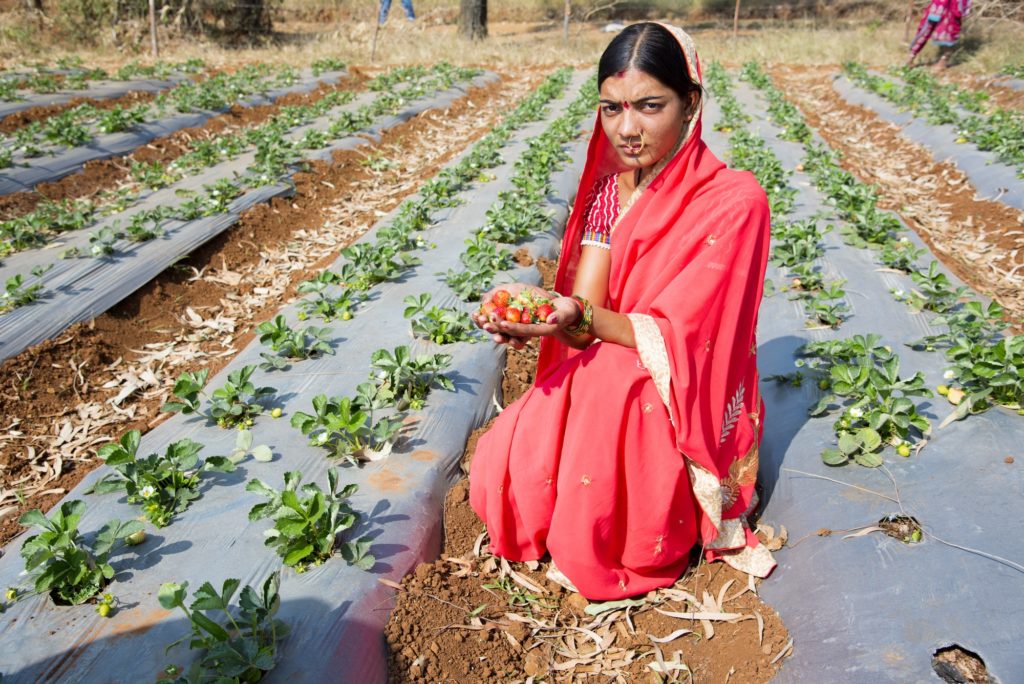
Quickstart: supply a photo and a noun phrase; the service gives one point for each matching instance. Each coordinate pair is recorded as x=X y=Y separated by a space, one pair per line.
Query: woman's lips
x=632 y=149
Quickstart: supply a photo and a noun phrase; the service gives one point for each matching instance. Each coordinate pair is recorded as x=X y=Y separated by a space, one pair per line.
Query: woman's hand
x=566 y=313
x=515 y=334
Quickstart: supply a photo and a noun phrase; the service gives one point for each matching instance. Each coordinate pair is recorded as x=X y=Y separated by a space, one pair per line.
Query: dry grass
x=989 y=46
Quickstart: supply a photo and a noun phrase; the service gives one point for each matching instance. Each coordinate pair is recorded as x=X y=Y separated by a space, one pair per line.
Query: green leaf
x=867 y=459
x=834 y=457
x=298 y=554
x=870 y=439
x=243 y=440
x=848 y=444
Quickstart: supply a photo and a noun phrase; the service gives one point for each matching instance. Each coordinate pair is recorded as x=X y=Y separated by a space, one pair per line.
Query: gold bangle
x=583 y=325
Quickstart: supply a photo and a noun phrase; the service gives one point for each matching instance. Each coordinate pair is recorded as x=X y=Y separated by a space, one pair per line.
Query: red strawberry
x=487 y=308
x=527 y=315
x=500 y=312
x=512 y=314
x=543 y=311
x=501 y=297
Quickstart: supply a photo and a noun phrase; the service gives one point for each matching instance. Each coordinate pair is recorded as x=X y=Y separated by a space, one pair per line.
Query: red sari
x=618 y=461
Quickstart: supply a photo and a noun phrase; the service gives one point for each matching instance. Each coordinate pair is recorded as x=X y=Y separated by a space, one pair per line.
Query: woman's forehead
x=632 y=84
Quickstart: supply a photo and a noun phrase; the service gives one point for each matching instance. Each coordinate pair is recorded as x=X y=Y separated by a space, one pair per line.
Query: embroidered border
x=650 y=346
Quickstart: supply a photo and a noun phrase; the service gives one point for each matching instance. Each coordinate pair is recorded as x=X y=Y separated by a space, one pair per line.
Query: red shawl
x=617 y=461
x=688 y=263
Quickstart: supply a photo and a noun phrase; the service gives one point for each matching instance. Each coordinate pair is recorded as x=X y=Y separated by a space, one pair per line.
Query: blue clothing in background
x=385 y=7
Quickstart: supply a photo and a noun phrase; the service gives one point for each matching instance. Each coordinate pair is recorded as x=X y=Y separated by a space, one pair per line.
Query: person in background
x=941 y=22
x=385 y=7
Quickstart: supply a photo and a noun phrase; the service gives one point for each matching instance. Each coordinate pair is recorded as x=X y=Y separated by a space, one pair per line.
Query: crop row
x=68 y=73
x=79 y=125
x=242 y=642
x=860 y=377
x=274 y=154
x=797 y=244
x=996 y=130
x=985 y=366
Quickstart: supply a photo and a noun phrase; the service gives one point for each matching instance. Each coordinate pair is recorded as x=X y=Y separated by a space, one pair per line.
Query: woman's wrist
x=584 y=319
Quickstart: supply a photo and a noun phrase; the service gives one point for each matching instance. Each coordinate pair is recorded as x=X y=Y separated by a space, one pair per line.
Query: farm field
x=234 y=325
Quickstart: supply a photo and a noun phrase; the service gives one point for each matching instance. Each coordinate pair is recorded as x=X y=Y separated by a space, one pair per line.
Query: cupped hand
x=565 y=314
x=492 y=324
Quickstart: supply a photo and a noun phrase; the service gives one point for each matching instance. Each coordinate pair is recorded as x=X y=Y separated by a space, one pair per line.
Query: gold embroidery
x=710 y=240
x=585 y=480
x=742 y=473
x=707 y=345
x=657 y=549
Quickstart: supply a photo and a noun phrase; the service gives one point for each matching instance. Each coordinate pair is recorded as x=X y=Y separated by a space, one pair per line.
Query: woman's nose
x=629 y=124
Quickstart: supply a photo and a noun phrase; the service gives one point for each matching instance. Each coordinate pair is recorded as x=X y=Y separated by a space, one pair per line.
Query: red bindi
x=621 y=74
x=625 y=105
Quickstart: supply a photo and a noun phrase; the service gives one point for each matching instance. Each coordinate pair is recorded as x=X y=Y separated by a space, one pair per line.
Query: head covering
x=688 y=259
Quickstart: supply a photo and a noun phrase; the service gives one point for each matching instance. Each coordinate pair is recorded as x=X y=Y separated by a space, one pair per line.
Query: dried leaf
x=671 y=637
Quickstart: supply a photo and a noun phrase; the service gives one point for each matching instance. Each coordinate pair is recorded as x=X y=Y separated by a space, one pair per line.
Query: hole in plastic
x=956 y=665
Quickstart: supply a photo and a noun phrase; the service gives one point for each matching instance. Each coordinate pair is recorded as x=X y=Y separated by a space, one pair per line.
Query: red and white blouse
x=601 y=212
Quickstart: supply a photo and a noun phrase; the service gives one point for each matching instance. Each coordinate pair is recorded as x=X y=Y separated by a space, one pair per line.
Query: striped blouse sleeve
x=601 y=212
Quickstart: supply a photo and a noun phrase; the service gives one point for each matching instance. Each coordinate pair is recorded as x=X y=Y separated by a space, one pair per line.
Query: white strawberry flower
x=147 y=492
x=949 y=375
x=855 y=412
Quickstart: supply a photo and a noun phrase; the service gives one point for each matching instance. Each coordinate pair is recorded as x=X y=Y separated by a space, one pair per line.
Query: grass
x=988 y=45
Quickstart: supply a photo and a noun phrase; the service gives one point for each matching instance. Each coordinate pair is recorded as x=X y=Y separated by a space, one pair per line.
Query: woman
x=639 y=437
x=941 y=22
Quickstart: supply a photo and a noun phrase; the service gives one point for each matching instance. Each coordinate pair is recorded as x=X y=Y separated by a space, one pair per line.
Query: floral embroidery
x=711 y=239
x=742 y=473
x=732 y=413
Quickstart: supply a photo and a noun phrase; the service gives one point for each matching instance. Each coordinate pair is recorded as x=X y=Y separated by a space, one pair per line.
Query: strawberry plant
x=346 y=427
x=240 y=645
x=236 y=403
x=323 y=306
x=797 y=242
x=16 y=293
x=291 y=344
x=826 y=306
x=936 y=289
x=719 y=85
x=900 y=255
x=411 y=378
x=163 y=485
x=117 y=119
x=973 y=322
x=441 y=326
x=988 y=374
x=879 y=412
x=320 y=66
x=308 y=521
x=58 y=560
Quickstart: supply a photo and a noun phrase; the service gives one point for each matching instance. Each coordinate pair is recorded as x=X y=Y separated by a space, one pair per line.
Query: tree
x=473 y=19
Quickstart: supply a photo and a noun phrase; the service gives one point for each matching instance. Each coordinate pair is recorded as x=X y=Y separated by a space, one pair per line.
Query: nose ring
x=643 y=142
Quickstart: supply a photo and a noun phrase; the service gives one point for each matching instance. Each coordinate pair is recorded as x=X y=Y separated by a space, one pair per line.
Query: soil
x=1002 y=96
x=107 y=174
x=957 y=665
x=53 y=383
x=13 y=122
x=453 y=622
x=981 y=241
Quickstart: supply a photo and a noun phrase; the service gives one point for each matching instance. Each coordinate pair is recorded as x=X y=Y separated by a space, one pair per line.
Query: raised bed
x=80 y=289
x=49 y=169
x=993 y=179
x=336 y=612
x=861 y=605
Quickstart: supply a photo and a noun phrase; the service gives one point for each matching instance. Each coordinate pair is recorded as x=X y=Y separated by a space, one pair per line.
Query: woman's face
x=642 y=117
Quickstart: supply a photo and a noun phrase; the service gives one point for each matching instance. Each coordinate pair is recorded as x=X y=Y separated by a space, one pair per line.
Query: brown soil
x=106 y=174
x=49 y=384
x=1001 y=96
x=13 y=122
x=957 y=665
x=981 y=241
x=453 y=623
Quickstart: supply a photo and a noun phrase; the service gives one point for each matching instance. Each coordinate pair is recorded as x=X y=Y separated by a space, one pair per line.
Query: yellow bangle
x=586 y=321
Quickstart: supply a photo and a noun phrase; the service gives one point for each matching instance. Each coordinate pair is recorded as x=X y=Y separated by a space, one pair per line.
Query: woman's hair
x=652 y=49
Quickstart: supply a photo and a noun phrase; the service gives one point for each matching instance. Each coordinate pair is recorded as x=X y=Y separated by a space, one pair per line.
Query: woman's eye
x=611 y=109
x=651 y=106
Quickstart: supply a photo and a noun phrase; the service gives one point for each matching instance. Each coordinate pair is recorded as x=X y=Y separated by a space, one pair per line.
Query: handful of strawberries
x=526 y=307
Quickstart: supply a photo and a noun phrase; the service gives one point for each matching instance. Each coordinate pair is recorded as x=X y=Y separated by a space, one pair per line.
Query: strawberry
x=526 y=316
x=501 y=298
x=487 y=308
x=500 y=313
x=543 y=311
x=512 y=314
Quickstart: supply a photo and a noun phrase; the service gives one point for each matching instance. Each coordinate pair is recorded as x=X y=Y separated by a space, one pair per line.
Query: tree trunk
x=34 y=6
x=565 y=20
x=736 y=20
x=473 y=19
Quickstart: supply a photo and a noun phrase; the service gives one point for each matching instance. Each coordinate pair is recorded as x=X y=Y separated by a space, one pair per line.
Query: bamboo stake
x=376 y=31
x=736 y=21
